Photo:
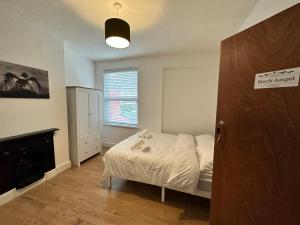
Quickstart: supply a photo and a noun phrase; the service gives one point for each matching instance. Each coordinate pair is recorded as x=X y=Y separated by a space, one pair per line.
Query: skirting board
x=10 y=195
x=60 y=168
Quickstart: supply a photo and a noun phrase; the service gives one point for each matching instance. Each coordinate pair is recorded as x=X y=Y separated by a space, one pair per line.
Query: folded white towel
x=147 y=149
x=148 y=136
x=143 y=133
x=137 y=144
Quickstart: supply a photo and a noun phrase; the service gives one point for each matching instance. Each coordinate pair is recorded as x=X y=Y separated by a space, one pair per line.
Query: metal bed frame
x=200 y=193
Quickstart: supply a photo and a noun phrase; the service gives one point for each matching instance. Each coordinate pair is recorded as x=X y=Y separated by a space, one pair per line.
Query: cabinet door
x=7 y=168
x=95 y=121
x=94 y=116
x=83 y=120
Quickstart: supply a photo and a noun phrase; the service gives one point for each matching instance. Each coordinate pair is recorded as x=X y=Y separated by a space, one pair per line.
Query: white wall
x=26 y=45
x=79 y=70
x=189 y=100
x=265 y=9
x=151 y=87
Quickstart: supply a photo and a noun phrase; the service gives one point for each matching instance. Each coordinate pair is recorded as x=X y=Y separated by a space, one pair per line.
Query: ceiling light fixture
x=117 y=31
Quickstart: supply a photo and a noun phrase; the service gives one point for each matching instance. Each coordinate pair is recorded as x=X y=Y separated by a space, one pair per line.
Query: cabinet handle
x=86 y=142
x=23 y=148
x=5 y=154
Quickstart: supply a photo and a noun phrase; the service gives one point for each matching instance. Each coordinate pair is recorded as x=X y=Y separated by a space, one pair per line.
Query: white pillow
x=205 y=149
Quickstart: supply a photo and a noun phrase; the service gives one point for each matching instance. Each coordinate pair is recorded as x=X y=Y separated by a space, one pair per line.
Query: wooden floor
x=75 y=198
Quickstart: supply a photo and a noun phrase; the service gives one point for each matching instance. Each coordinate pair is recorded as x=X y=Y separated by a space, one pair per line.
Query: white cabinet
x=84 y=120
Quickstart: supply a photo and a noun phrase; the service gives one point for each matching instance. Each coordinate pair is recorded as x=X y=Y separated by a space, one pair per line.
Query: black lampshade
x=117 y=33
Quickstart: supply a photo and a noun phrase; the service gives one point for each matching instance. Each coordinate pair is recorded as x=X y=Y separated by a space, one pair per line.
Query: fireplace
x=25 y=159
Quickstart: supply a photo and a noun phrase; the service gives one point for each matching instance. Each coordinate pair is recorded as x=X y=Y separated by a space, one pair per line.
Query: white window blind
x=121 y=98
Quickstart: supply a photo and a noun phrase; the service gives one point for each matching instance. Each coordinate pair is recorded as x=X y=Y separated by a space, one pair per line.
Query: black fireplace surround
x=25 y=159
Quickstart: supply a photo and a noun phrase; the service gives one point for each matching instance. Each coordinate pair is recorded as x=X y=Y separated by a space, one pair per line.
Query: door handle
x=219 y=131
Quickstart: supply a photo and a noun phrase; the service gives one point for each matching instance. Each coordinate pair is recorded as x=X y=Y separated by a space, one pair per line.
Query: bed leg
x=109 y=183
x=163 y=192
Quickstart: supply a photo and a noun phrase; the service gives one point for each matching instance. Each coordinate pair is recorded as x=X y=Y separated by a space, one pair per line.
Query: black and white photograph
x=17 y=81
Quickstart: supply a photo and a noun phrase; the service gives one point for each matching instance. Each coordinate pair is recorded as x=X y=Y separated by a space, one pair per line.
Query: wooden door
x=256 y=177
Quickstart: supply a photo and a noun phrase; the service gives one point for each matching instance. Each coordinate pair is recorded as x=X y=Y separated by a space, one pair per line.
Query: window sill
x=120 y=126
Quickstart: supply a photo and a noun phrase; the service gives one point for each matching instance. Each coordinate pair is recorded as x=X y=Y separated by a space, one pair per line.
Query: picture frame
x=18 y=81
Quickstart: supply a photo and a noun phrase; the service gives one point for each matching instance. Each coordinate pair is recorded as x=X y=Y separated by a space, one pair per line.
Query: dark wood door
x=256 y=177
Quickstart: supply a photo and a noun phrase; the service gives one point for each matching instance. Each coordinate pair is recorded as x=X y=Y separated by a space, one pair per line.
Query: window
x=120 y=90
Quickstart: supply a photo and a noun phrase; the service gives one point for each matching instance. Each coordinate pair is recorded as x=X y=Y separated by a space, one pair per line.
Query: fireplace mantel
x=11 y=138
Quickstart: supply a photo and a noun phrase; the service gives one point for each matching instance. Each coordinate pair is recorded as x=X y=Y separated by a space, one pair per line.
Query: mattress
x=205 y=147
x=170 y=163
x=149 y=167
x=205 y=177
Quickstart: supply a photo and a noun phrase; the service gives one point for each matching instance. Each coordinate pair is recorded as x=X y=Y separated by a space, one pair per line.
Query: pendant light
x=117 y=31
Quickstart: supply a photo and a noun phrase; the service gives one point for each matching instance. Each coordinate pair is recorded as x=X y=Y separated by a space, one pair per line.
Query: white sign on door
x=278 y=79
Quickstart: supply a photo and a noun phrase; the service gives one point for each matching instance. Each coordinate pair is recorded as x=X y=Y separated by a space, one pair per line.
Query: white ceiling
x=157 y=26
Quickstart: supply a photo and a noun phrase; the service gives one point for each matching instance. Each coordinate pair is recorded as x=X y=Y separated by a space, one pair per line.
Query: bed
x=178 y=162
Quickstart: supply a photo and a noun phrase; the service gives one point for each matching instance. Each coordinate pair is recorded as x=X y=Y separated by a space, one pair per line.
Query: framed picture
x=17 y=81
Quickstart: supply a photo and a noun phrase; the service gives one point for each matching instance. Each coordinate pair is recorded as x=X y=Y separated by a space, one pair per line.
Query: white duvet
x=172 y=161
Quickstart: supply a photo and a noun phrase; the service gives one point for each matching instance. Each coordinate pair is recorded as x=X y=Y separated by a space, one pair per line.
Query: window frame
x=106 y=123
